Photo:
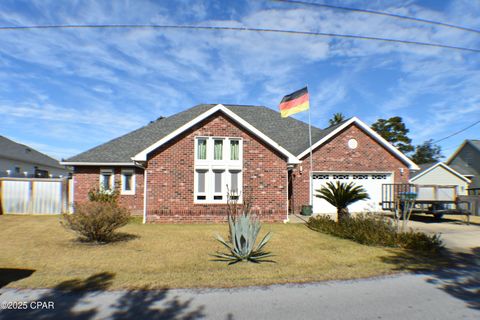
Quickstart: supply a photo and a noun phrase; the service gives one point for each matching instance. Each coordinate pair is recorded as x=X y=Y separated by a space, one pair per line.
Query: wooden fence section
x=35 y=196
x=470 y=203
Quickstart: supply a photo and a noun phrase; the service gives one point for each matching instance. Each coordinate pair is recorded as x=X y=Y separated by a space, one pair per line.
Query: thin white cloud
x=116 y=80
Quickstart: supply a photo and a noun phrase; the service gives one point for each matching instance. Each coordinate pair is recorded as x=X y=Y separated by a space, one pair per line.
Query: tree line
x=394 y=131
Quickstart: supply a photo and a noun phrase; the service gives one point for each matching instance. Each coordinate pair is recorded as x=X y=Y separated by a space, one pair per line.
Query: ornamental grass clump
x=244 y=230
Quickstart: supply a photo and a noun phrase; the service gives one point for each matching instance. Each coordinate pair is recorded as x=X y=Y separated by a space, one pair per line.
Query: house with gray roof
x=19 y=160
x=466 y=160
x=188 y=166
x=440 y=174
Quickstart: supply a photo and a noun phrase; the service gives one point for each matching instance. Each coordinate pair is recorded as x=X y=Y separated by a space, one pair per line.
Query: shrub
x=96 y=221
x=375 y=231
x=102 y=195
x=419 y=241
x=244 y=230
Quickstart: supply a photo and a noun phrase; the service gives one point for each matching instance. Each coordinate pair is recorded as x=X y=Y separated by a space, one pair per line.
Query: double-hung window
x=107 y=181
x=218 y=169
x=128 y=182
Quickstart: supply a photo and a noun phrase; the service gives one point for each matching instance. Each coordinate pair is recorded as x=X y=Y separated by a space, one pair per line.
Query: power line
x=195 y=27
x=454 y=134
x=381 y=13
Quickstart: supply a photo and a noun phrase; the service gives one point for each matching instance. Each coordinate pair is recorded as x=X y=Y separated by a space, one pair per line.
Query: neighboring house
x=466 y=160
x=19 y=160
x=442 y=175
x=180 y=168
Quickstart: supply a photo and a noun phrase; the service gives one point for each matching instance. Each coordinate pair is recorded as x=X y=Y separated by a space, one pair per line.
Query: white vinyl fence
x=35 y=196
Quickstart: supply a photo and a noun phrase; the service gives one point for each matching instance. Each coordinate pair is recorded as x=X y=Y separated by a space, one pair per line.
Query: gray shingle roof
x=423 y=167
x=475 y=143
x=17 y=151
x=459 y=164
x=463 y=169
x=289 y=133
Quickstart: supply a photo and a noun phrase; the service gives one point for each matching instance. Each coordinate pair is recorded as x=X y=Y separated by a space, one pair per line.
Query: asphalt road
x=451 y=294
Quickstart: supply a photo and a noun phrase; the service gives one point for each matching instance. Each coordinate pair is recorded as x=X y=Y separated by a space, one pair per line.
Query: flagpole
x=311 y=159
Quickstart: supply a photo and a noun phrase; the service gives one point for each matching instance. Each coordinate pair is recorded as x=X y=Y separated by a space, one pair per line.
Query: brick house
x=180 y=168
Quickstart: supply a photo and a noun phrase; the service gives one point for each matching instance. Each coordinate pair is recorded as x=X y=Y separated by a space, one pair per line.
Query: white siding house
x=19 y=160
x=442 y=175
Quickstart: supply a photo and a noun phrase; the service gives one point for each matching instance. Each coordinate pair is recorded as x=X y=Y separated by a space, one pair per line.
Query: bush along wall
x=373 y=230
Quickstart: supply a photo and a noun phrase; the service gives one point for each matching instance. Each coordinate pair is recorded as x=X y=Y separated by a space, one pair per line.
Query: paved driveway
x=457 y=235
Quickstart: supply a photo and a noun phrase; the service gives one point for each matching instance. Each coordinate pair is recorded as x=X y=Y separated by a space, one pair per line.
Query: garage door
x=371 y=181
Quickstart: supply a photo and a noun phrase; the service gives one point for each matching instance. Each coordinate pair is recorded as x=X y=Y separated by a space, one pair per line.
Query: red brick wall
x=171 y=176
x=86 y=178
x=171 y=173
x=335 y=155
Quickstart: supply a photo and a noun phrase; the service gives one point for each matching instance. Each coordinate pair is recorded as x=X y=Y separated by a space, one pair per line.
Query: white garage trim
x=142 y=156
x=389 y=179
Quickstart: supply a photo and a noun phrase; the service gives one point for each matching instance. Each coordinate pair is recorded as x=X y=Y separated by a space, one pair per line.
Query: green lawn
x=177 y=256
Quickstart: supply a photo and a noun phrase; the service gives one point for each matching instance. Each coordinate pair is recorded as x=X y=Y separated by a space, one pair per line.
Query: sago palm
x=341 y=195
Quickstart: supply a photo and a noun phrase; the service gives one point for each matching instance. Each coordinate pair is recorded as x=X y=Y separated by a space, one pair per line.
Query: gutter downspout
x=145 y=180
x=144 y=167
x=287 y=219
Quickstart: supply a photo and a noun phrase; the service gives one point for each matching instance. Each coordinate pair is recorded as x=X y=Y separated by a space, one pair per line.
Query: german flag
x=294 y=102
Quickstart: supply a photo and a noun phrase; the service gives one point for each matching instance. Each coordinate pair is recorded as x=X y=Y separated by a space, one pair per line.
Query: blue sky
x=65 y=91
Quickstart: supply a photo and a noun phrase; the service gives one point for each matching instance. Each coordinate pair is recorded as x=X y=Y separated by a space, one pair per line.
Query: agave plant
x=244 y=230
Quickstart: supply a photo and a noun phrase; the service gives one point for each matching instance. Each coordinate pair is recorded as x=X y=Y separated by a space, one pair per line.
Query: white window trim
x=142 y=156
x=196 y=148
x=195 y=181
x=223 y=149
x=112 y=177
x=223 y=174
x=209 y=165
x=122 y=190
x=239 y=181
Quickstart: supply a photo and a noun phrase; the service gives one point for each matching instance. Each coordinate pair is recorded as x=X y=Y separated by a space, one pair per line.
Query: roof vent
x=159 y=118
